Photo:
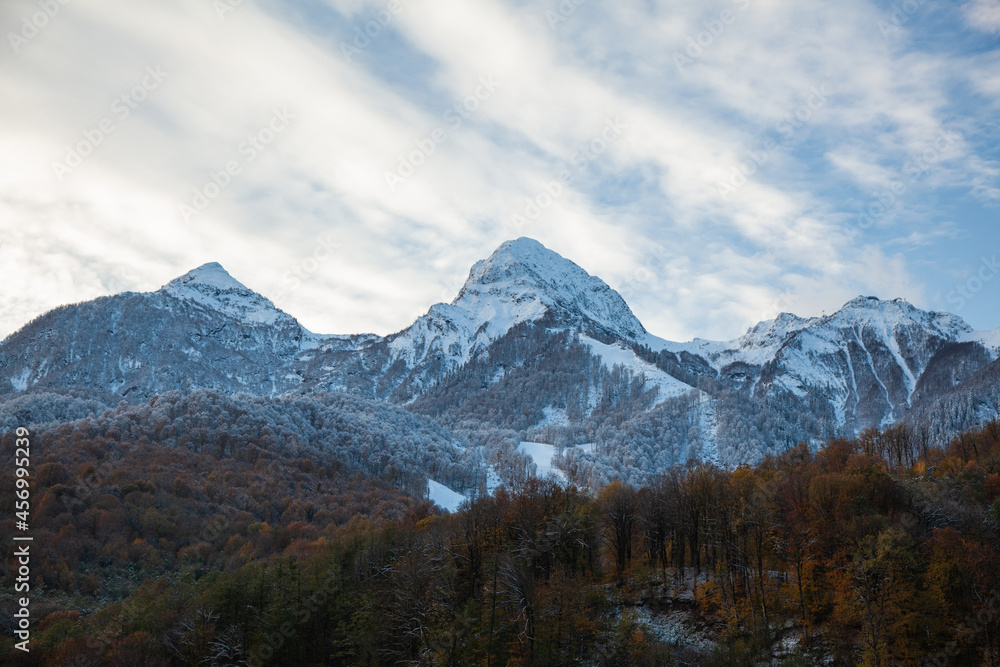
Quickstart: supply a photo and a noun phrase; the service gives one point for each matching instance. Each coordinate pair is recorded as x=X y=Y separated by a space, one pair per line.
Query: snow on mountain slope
x=522 y=281
x=764 y=341
x=544 y=456
x=761 y=343
x=865 y=360
x=700 y=347
x=757 y=346
x=708 y=424
x=891 y=340
x=522 y=276
x=211 y=287
x=553 y=417
x=988 y=339
x=203 y=329
x=864 y=365
x=895 y=315
x=616 y=355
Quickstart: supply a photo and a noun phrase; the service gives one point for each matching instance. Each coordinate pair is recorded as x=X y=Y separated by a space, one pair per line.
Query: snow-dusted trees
x=336 y=429
x=51 y=406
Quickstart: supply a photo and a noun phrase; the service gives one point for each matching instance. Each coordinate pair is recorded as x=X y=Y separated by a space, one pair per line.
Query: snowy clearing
x=443 y=497
x=542 y=456
x=612 y=355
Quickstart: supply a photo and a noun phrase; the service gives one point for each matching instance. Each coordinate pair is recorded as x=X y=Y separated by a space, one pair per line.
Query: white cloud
x=983 y=15
x=114 y=222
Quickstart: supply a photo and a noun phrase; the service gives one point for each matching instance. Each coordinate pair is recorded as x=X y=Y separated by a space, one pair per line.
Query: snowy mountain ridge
x=523 y=277
x=522 y=281
x=211 y=287
x=865 y=365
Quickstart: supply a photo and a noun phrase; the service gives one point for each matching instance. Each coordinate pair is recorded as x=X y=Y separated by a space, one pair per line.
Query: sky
x=716 y=162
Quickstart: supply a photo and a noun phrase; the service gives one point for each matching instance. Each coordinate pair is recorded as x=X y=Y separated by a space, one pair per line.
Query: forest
x=215 y=547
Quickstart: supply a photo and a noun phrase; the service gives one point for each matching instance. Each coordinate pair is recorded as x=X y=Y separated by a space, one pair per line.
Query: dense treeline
x=880 y=550
x=376 y=438
x=108 y=513
x=50 y=406
x=974 y=401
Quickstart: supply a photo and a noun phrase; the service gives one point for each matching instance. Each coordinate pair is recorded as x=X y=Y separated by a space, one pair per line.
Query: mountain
x=532 y=342
x=203 y=329
x=212 y=288
x=521 y=282
x=866 y=360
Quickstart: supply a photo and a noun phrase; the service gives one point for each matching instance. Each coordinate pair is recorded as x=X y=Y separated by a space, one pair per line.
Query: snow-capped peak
x=764 y=339
x=211 y=286
x=895 y=313
x=523 y=279
x=870 y=352
x=211 y=274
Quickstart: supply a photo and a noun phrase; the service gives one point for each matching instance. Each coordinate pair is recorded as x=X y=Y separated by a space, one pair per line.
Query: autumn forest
x=880 y=550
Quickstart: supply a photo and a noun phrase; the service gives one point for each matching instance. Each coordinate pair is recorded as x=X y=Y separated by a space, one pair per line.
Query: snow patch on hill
x=616 y=355
x=542 y=455
x=493 y=480
x=708 y=423
x=443 y=497
x=989 y=339
x=20 y=381
x=553 y=417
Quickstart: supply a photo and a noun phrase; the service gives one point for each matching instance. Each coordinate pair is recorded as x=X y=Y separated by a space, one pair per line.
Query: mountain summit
x=211 y=274
x=211 y=287
x=522 y=280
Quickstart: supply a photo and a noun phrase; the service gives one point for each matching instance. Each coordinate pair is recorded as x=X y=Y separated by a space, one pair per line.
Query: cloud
x=612 y=134
x=948 y=230
x=983 y=15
